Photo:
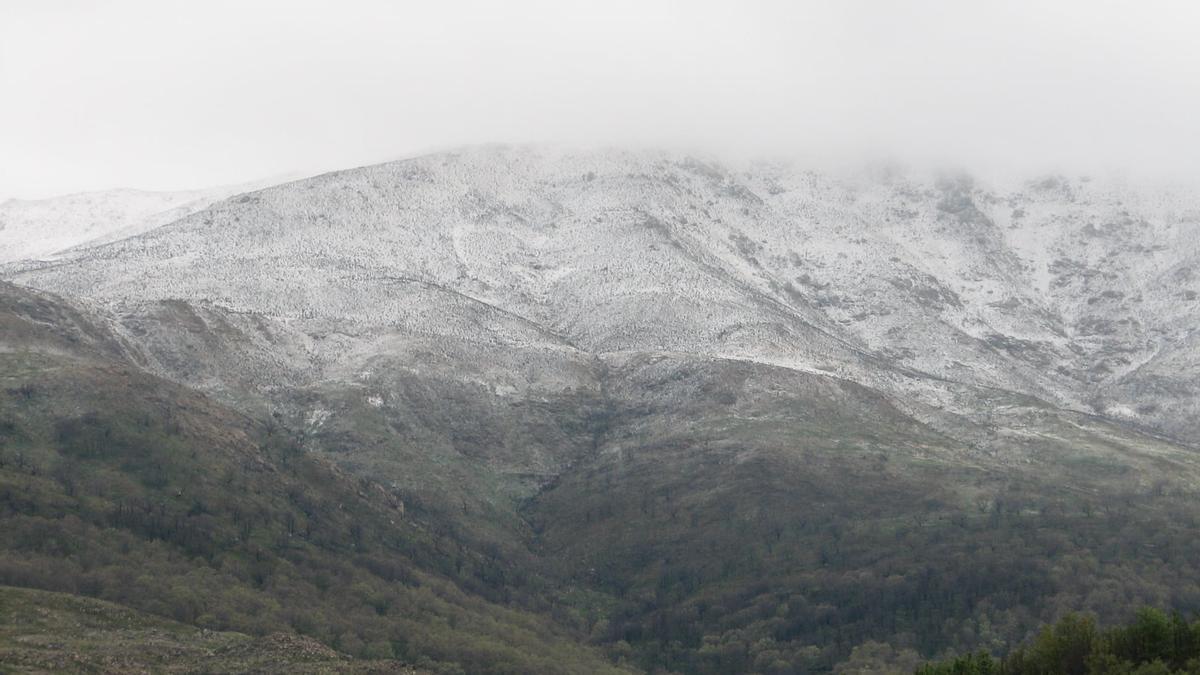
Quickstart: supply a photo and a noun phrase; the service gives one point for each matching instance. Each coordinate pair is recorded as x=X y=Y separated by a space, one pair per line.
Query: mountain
x=707 y=417
x=41 y=228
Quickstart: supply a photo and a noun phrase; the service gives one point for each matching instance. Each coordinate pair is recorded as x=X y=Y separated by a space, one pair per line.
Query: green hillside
x=119 y=486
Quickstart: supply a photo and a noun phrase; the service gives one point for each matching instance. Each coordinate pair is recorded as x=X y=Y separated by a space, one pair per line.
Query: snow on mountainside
x=41 y=228
x=1081 y=293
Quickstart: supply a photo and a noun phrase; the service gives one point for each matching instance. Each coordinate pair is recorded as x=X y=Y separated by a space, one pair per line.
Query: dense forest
x=1155 y=643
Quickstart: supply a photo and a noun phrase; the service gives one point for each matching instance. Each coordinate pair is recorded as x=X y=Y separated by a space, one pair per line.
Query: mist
x=173 y=95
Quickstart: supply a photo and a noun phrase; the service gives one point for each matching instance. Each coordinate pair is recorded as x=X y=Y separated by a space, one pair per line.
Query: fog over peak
x=171 y=95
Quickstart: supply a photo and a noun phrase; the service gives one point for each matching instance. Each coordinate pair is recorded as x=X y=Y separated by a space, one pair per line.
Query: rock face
x=1082 y=294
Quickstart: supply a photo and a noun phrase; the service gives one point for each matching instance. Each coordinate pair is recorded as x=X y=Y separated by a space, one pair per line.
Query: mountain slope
x=865 y=276
x=118 y=485
x=755 y=519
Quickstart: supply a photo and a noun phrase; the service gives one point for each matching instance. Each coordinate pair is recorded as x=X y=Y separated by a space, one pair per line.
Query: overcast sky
x=166 y=95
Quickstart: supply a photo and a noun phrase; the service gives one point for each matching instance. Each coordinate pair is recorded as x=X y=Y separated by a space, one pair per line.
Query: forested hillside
x=119 y=486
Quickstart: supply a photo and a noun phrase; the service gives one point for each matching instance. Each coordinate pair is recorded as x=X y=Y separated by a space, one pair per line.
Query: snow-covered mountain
x=1078 y=292
x=40 y=228
x=846 y=408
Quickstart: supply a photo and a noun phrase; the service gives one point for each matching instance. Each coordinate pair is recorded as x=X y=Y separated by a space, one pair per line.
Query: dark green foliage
x=972 y=664
x=1153 y=643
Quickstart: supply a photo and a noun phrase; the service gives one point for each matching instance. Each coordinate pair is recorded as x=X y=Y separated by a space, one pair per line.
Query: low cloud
x=166 y=95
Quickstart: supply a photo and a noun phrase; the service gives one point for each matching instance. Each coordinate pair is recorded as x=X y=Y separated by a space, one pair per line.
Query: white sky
x=161 y=94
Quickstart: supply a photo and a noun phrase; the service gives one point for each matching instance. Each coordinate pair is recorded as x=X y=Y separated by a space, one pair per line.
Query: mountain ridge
x=521 y=267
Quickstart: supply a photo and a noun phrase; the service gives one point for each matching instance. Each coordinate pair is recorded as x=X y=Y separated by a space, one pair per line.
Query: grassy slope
x=42 y=631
